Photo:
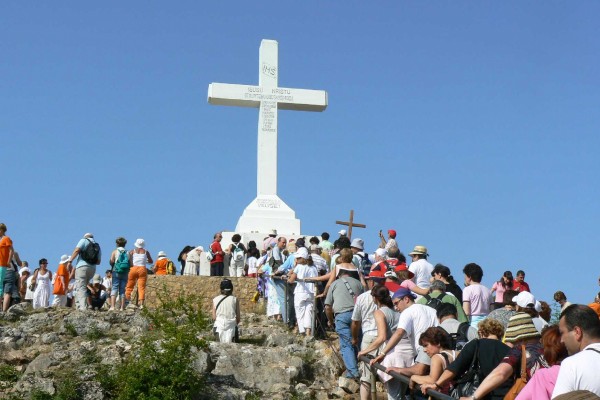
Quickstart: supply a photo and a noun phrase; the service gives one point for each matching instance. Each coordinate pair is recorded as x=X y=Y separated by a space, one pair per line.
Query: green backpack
x=122 y=263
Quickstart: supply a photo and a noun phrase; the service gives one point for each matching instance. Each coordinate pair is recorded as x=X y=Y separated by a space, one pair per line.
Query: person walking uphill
x=86 y=256
x=226 y=313
x=6 y=254
x=138 y=273
x=339 y=304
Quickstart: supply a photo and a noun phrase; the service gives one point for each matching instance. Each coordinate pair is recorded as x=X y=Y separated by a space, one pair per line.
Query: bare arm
x=417 y=369
x=390 y=345
x=446 y=376
x=329 y=313
x=420 y=290
x=435 y=370
x=381 y=329
x=113 y=259
x=497 y=377
x=355 y=329
x=150 y=260
x=467 y=308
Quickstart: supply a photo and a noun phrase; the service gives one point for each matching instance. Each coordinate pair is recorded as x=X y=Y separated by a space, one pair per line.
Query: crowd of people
x=413 y=318
x=75 y=282
x=416 y=320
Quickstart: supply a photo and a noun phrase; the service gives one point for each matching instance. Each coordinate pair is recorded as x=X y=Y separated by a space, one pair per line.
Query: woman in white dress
x=192 y=262
x=274 y=304
x=43 y=289
x=226 y=313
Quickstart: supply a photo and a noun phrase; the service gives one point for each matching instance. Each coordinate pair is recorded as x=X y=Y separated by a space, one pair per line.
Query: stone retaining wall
x=207 y=287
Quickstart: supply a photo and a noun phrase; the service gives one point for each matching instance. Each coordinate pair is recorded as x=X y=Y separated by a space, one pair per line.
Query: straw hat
x=421 y=250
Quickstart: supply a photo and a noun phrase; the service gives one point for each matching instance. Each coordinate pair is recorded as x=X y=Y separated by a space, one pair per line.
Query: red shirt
x=521 y=286
x=217 y=250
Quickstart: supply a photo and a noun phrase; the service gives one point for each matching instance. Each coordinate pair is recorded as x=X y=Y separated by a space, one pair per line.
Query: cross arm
x=227 y=94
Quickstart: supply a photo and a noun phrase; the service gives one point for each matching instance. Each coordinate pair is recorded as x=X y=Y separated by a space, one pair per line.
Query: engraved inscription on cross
x=269 y=98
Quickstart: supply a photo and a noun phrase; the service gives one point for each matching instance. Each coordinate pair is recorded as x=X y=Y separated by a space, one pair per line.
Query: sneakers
x=111 y=309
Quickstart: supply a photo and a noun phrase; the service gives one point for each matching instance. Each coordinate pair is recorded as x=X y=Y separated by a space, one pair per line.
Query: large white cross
x=269 y=98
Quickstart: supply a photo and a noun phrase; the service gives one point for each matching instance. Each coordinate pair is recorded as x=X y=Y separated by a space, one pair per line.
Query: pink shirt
x=540 y=385
x=499 y=292
x=479 y=297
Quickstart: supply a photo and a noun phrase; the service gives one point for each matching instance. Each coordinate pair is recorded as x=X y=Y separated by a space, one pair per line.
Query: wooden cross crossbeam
x=350 y=223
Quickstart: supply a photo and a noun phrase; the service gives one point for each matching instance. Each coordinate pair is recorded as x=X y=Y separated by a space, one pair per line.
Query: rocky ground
x=270 y=362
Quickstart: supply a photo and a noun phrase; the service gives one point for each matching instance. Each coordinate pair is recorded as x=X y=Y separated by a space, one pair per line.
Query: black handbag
x=467 y=384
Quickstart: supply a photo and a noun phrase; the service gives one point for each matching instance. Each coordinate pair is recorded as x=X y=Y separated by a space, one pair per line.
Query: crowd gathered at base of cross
x=415 y=320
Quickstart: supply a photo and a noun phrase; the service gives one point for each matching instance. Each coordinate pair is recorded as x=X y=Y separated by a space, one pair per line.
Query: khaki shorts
x=364 y=368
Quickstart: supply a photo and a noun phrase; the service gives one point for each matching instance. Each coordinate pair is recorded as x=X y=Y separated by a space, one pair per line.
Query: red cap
x=392 y=233
x=376 y=274
x=402 y=267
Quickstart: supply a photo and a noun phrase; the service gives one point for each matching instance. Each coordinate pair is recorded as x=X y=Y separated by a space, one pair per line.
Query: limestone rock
x=349 y=385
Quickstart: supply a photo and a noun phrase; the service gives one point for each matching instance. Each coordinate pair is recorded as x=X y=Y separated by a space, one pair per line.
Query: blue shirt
x=288 y=264
x=81 y=245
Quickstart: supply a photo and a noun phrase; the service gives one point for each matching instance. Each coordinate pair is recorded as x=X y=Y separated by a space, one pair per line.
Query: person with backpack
x=438 y=296
x=360 y=258
x=138 y=273
x=163 y=265
x=237 y=250
x=119 y=261
x=460 y=332
x=86 y=256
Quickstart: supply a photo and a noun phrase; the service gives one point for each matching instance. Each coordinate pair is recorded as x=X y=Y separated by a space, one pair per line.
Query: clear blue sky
x=469 y=127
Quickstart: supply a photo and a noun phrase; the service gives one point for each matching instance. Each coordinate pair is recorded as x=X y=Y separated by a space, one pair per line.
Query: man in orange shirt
x=61 y=283
x=6 y=254
x=596 y=304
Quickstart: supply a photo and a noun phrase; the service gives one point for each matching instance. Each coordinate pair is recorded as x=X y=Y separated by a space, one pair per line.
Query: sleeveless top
x=391 y=321
x=139 y=260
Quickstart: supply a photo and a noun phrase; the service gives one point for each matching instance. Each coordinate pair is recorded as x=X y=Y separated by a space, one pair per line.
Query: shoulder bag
x=521 y=381
x=467 y=384
x=216 y=308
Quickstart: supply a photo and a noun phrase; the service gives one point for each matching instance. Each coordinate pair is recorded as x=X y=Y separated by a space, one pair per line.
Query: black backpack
x=91 y=253
x=434 y=302
x=461 y=337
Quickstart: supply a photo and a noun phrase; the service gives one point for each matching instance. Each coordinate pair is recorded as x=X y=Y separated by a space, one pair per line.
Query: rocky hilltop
x=69 y=354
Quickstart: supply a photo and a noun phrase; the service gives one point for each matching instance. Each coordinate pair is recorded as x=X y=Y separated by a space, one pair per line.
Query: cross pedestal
x=267 y=211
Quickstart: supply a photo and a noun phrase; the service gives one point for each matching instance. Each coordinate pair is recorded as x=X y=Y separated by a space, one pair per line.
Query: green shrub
x=8 y=376
x=161 y=368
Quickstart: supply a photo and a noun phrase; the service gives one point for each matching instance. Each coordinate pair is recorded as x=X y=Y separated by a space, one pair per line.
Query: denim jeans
x=349 y=352
x=119 y=282
x=83 y=274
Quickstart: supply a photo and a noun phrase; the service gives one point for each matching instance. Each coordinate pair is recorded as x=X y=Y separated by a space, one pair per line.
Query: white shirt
x=364 y=312
x=579 y=372
x=391 y=243
x=422 y=270
x=415 y=320
x=304 y=272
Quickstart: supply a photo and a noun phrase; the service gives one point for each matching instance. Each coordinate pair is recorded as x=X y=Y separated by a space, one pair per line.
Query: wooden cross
x=350 y=224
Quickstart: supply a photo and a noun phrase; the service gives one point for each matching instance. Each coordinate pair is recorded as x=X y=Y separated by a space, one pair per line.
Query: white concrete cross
x=269 y=98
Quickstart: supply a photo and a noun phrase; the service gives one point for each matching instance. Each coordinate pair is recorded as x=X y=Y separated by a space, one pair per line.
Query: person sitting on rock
x=226 y=313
